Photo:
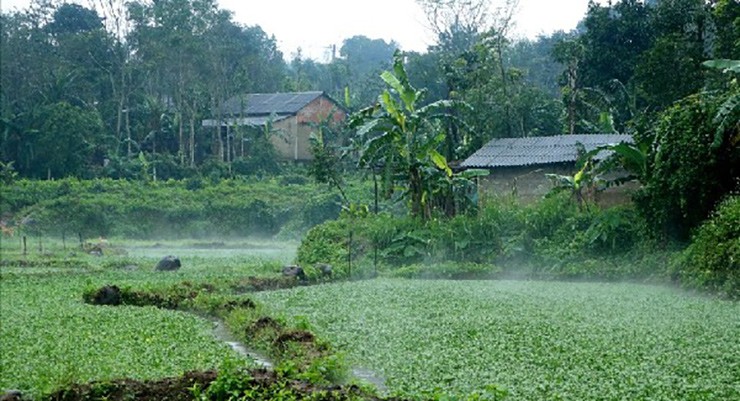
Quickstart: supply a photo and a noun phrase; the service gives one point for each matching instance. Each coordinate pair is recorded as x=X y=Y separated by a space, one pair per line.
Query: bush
x=690 y=171
x=712 y=261
x=550 y=239
x=326 y=243
x=175 y=209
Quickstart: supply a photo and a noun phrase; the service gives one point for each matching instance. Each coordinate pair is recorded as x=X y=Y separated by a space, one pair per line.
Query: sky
x=314 y=26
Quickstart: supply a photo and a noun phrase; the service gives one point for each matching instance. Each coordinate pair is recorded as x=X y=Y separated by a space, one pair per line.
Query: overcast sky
x=315 y=26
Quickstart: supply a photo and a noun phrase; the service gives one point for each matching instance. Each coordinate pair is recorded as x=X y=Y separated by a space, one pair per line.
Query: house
x=518 y=165
x=292 y=118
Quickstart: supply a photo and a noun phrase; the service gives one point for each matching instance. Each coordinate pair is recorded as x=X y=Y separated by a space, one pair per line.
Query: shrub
x=712 y=261
x=176 y=209
x=690 y=172
x=552 y=239
x=326 y=243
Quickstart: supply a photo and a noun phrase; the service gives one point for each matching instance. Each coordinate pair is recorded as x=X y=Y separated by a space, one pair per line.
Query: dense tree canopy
x=138 y=77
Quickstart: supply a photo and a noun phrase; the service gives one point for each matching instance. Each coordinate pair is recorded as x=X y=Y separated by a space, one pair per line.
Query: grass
x=530 y=340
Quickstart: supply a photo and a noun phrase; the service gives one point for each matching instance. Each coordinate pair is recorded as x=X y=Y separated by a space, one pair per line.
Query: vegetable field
x=530 y=340
x=49 y=338
x=420 y=339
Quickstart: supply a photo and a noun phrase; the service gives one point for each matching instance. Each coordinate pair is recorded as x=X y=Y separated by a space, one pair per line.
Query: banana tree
x=727 y=118
x=404 y=139
x=590 y=178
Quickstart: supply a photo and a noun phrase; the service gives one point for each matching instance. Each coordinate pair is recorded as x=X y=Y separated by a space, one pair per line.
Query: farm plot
x=49 y=338
x=530 y=340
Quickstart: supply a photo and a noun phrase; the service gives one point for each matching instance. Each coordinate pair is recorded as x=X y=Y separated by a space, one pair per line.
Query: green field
x=532 y=340
x=50 y=338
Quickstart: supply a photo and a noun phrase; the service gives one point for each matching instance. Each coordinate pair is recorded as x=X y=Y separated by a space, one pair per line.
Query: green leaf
x=391 y=108
x=474 y=172
x=726 y=65
x=392 y=81
x=440 y=161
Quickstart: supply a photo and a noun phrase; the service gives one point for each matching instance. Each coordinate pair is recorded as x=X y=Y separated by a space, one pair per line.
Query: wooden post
x=82 y=245
x=349 y=255
x=375 y=257
x=375 y=184
x=25 y=250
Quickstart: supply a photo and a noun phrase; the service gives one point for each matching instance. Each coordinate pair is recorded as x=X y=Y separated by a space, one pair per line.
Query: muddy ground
x=258 y=384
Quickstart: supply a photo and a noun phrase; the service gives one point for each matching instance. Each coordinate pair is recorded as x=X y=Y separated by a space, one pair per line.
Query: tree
x=614 y=38
x=534 y=58
x=363 y=60
x=681 y=29
x=688 y=173
x=726 y=20
x=460 y=26
x=570 y=53
x=403 y=139
x=63 y=140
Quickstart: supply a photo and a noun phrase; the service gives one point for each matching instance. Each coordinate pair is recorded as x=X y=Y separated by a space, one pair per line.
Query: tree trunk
x=180 y=136
x=504 y=87
x=191 y=143
x=572 y=101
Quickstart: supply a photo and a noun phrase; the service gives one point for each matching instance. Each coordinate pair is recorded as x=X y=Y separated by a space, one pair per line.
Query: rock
x=130 y=267
x=325 y=269
x=294 y=271
x=168 y=263
x=11 y=395
x=108 y=295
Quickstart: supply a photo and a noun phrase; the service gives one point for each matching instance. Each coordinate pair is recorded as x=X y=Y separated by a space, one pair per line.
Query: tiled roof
x=511 y=152
x=261 y=104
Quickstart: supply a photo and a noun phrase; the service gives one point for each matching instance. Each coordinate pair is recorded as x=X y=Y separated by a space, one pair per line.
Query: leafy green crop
x=50 y=338
x=533 y=340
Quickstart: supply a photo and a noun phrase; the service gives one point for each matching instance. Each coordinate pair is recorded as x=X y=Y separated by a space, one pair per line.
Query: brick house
x=292 y=117
x=518 y=165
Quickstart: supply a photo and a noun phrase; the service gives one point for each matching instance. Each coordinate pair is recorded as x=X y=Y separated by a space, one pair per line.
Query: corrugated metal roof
x=259 y=104
x=511 y=152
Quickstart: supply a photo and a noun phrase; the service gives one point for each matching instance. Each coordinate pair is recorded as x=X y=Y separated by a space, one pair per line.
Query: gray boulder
x=108 y=295
x=168 y=263
x=325 y=269
x=294 y=271
x=11 y=395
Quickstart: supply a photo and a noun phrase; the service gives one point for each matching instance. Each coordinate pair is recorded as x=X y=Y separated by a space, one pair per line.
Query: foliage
x=712 y=261
x=326 y=165
x=153 y=102
x=503 y=104
x=349 y=74
x=592 y=175
x=403 y=139
x=549 y=239
x=109 y=81
x=687 y=173
x=582 y=185
x=175 y=209
x=532 y=340
x=50 y=339
x=7 y=173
